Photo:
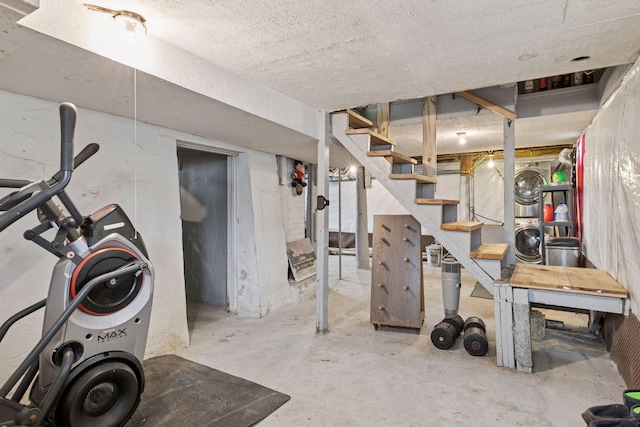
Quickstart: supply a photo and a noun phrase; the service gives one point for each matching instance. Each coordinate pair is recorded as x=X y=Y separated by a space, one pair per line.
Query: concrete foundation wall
x=136 y=168
x=293 y=206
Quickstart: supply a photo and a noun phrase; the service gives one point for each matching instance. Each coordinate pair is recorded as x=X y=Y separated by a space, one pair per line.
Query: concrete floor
x=357 y=376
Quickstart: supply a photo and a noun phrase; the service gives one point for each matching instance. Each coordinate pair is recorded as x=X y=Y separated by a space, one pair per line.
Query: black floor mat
x=179 y=392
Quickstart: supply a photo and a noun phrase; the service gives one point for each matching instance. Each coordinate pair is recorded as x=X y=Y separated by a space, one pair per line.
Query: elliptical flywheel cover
x=107 y=297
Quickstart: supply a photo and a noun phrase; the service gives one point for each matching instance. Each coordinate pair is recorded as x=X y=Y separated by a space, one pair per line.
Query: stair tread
x=392 y=156
x=356 y=120
x=490 y=251
x=418 y=178
x=462 y=226
x=376 y=138
x=422 y=201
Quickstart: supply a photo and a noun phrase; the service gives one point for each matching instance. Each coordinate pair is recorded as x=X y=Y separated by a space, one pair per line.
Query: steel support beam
x=509 y=185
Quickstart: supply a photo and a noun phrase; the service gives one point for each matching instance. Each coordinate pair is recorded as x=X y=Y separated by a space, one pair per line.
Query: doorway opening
x=205 y=193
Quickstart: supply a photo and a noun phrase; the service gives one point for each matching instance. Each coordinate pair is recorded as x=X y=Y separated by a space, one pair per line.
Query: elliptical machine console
x=86 y=369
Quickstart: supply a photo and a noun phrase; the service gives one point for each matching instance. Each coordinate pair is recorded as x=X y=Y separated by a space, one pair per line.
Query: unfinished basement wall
x=293 y=205
x=142 y=177
x=272 y=284
x=611 y=212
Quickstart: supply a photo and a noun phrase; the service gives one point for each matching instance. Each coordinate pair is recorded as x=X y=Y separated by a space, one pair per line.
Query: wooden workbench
x=588 y=281
x=572 y=287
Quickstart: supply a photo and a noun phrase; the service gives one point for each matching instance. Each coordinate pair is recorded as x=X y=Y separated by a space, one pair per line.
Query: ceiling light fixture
x=130 y=21
x=461 y=137
x=490 y=163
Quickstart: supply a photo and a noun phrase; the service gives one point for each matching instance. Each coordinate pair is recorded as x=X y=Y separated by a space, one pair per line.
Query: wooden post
x=383 y=119
x=322 y=226
x=430 y=150
x=466 y=164
x=466 y=189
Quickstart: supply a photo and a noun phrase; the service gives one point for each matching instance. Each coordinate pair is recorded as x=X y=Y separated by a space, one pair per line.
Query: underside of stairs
x=396 y=172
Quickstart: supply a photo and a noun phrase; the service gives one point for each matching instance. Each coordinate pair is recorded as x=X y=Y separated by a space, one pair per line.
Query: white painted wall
x=293 y=205
x=270 y=242
x=142 y=177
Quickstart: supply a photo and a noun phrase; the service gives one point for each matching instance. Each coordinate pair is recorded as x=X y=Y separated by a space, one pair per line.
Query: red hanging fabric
x=580 y=146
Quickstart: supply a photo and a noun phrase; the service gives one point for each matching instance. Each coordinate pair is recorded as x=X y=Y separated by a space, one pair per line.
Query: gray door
x=203 y=200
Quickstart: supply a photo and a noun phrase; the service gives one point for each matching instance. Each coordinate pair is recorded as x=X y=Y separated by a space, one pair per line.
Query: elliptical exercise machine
x=86 y=369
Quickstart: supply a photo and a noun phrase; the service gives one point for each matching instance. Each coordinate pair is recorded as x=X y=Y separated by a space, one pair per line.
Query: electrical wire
x=135 y=142
x=473 y=212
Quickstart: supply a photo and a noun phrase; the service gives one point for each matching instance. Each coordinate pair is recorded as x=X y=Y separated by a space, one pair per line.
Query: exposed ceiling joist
x=498 y=154
x=503 y=112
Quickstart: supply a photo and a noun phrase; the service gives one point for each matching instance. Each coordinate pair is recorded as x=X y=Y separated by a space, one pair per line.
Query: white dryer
x=528 y=178
x=527 y=247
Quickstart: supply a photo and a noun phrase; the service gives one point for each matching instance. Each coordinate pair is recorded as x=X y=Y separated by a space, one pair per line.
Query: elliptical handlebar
x=86 y=152
x=68 y=113
x=22 y=202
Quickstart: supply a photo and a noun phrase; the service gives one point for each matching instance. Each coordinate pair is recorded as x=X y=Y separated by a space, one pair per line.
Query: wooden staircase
x=395 y=171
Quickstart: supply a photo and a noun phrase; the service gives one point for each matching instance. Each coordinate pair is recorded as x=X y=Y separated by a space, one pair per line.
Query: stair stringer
x=380 y=168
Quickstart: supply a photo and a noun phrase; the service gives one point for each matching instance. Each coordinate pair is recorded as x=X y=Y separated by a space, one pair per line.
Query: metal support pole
x=340 y=223
x=322 y=223
x=509 y=184
x=362 y=227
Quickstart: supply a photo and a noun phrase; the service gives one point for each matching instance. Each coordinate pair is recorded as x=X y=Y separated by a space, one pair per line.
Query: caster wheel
x=105 y=395
x=376 y=327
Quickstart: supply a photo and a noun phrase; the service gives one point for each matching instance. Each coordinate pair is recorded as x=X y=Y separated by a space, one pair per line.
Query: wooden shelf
x=490 y=251
x=419 y=178
x=376 y=138
x=462 y=226
x=420 y=201
x=393 y=157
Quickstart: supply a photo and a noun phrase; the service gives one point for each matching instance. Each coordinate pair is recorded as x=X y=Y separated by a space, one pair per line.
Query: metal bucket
x=434 y=255
x=564 y=251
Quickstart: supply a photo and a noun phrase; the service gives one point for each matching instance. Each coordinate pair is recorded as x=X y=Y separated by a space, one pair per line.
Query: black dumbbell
x=445 y=333
x=475 y=337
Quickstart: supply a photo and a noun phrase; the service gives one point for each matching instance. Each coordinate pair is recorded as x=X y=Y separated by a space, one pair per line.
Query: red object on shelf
x=547 y=213
x=542 y=84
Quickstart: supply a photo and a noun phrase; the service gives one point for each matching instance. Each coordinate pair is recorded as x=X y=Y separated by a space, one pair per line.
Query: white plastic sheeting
x=379 y=201
x=612 y=187
x=488 y=203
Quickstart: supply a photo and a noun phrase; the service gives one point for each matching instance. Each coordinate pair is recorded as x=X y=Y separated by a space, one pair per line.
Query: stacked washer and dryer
x=528 y=178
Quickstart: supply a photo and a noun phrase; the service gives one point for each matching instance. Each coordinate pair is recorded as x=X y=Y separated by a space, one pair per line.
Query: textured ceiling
x=334 y=54
x=330 y=55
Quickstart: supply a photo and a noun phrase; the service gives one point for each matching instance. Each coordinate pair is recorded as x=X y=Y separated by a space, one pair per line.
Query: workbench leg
x=522 y=330
x=503 y=301
x=507 y=297
x=499 y=324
